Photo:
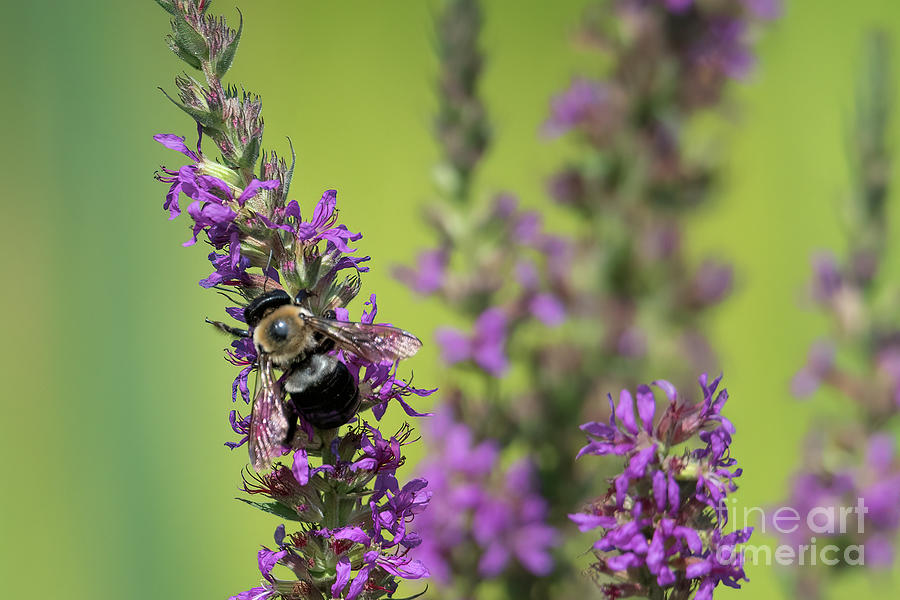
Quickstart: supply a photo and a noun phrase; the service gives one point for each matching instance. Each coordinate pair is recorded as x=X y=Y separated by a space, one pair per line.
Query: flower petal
x=342 y=570
x=625 y=411
x=300 y=467
x=646 y=405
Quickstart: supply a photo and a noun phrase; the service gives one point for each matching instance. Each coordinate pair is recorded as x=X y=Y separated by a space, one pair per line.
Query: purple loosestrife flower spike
x=545 y=320
x=662 y=519
x=850 y=465
x=461 y=124
x=875 y=482
x=346 y=520
x=508 y=517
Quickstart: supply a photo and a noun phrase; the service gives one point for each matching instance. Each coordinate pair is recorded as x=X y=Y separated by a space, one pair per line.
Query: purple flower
x=399 y=566
x=819 y=364
x=322 y=226
x=582 y=102
x=506 y=530
x=370 y=550
x=678 y=6
x=241 y=426
x=177 y=143
x=382 y=457
x=300 y=467
x=888 y=362
x=721 y=563
x=655 y=532
x=881 y=485
x=712 y=283
x=184 y=180
x=475 y=502
x=213 y=198
x=378 y=381
x=761 y=9
x=547 y=309
x=257 y=593
x=486 y=347
x=678 y=423
x=242 y=354
x=185 y=175
x=827 y=277
x=719 y=41
x=766 y=10
x=721 y=48
x=267 y=559
x=390 y=517
x=214 y=209
x=343 y=477
x=227 y=272
x=429 y=274
x=860 y=499
x=544 y=306
x=397 y=510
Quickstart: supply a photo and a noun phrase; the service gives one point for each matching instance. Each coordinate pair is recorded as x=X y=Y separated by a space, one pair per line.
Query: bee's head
x=281 y=334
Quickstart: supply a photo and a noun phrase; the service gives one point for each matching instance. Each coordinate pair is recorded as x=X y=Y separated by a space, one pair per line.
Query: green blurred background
x=116 y=483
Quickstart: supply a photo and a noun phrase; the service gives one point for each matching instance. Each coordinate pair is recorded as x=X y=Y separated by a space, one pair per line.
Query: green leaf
x=190 y=39
x=251 y=153
x=289 y=176
x=274 y=508
x=211 y=122
x=227 y=57
x=180 y=53
x=168 y=5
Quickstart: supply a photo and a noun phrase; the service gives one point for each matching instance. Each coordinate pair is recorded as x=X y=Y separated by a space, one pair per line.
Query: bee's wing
x=374 y=343
x=269 y=424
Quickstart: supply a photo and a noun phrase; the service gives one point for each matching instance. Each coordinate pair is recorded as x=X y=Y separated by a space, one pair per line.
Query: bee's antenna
x=243 y=333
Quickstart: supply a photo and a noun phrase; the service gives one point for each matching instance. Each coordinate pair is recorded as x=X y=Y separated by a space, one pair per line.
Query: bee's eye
x=278 y=330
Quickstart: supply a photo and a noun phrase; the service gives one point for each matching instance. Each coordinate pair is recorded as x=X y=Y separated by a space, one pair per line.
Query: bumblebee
x=288 y=336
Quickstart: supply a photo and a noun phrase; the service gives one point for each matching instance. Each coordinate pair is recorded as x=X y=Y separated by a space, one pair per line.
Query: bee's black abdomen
x=254 y=312
x=323 y=391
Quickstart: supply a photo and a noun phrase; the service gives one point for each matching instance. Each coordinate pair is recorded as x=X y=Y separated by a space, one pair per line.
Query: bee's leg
x=229 y=329
x=290 y=412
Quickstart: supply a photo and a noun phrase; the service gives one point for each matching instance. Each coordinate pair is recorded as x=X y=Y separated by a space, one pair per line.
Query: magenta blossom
x=378 y=381
x=429 y=274
x=662 y=517
x=582 y=101
x=476 y=502
x=486 y=347
x=867 y=498
x=322 y=226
